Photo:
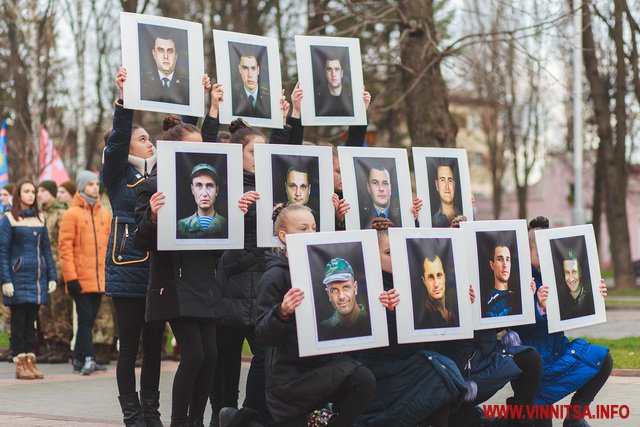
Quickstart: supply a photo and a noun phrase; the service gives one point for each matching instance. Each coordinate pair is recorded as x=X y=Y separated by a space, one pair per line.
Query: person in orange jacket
x=82 y=244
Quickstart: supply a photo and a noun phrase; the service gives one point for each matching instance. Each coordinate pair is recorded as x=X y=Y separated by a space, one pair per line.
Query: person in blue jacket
x=27 y=273
x=414 y=386
x=567 y=366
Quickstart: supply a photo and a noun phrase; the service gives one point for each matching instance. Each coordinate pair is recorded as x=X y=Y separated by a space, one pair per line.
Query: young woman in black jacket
x=296 y=386
x=181 y=290
x=239 y=272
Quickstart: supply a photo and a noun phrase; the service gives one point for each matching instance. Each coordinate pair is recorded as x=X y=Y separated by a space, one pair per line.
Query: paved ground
x=64 y=399
x=620 y=323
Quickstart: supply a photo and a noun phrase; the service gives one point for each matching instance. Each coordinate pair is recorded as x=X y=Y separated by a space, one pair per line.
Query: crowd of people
x=74 y=243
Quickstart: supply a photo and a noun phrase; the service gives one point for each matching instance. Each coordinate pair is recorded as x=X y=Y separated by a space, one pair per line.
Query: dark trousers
x=131 y=325
x=224 y=390
x=87 y=306
x=192 y=382
x=349 y=400
x=23 y=330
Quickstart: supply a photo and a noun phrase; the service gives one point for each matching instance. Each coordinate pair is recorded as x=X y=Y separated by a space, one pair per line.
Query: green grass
x=623 y=292
x=4 y=339
x=625 y=351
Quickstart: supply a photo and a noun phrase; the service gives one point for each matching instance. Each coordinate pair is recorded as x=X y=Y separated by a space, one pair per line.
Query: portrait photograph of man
x=296 y=180
x=573 y=278
x=164 y=64
x=433 y=283
x=499 y=273
x=444 y=182
x=377 y=185
x=339 y=291
x=332 y=81
x=250 y=80
x=201 y=208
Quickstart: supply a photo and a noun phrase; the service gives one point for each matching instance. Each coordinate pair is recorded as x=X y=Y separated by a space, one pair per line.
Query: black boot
x=193 y=422
x=150 y=402
x=131 y=413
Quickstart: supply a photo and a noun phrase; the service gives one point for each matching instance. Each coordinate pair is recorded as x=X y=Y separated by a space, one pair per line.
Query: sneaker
x=226 y=415
x=89 y=366
x=320 y=417
x=100 y=368
x=77 y=366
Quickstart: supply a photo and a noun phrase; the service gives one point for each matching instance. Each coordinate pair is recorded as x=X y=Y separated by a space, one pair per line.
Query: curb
x=625 y=372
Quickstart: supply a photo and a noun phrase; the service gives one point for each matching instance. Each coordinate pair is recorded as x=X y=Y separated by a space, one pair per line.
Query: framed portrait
x=430 y=274
x=499 y=265
x=341 y=277
x=376 y=182
x=202 y=183
x=570 y=266
x=442 y=182
x=164 y=58
x=248 y=67
x=330 y=74
x=291 y=174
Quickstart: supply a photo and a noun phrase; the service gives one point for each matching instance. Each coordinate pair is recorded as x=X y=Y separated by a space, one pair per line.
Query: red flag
x=51 y=166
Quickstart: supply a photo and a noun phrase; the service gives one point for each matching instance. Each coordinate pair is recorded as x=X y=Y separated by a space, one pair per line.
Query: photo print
x=164 y=59
x=430 y=274
x=341 y=277
x=291 y=174
x=442 y=182
x=248 y=67
x=202 y=183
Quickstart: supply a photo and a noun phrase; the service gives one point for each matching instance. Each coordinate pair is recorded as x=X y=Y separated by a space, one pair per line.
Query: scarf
x=143 y=166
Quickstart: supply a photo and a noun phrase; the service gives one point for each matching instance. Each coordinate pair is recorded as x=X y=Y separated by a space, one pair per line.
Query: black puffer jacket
x=181 y=283
x=294 y=385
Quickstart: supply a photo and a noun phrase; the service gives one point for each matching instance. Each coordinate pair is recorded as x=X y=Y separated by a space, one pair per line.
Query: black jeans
x=192 y=382
x=23 y=330
x=349 y=400
x=87 y=306
x=224 y=390
x=131 y=325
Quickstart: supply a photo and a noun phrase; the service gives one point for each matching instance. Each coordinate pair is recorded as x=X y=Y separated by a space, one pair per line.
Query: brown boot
x=22 y=371
x=31 y=365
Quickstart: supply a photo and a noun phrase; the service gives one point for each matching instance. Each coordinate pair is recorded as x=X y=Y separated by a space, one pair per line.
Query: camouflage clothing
x=104 y=328
x=55 y=317
x=52 y=215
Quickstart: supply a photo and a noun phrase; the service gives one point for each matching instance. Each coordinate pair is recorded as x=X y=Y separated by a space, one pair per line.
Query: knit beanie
x=50 y=186
x=83 y=178
x=70 y=187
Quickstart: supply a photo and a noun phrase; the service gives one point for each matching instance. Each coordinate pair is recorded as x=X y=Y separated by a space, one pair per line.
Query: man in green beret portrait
x=350 y=319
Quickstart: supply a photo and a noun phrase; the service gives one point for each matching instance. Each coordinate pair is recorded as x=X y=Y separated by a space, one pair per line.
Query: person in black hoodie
x=182 y=290
x=239 y=272
x=414 y=386
x=295 y=385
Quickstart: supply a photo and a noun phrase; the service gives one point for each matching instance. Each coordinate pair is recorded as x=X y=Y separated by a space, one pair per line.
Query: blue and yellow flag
x=4 y=162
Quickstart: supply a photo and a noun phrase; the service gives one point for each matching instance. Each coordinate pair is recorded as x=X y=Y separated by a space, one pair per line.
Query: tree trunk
x=614 y=169
x=428 y=117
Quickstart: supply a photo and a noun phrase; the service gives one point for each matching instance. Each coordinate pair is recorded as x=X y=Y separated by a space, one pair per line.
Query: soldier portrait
x=250 y=80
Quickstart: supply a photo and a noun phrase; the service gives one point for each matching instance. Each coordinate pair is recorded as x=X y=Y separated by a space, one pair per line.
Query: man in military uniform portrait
x=164 y=83
x=445 y=185
x=206 y=222
x=250 y=97
x=349 y=319
x=333 y=93
x=575 y=300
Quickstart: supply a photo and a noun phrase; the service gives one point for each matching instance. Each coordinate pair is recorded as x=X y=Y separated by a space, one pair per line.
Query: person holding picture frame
x=238 y=275
x=488 y=365
x=296 y=387
x=414 y=386
x=568 y=366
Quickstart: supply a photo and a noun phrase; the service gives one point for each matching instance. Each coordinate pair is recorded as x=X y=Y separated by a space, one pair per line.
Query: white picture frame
x=483 y=237
x=410 y=251
x=580 y=239
x=262 y=52
x=143 y=89
x=176 y=162
x=426 y=161
x=353 y=164
x=318 y=108
x=360 y=249
x=272 y=164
